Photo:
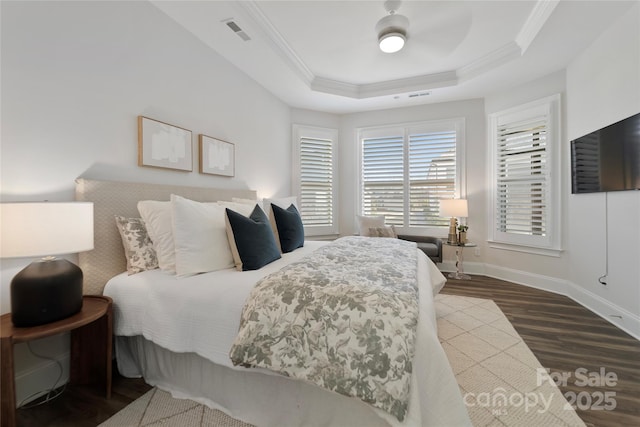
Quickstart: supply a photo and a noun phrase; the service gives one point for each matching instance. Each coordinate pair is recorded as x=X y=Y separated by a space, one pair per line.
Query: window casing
x=315 y=178
x=525 y=149
x=406 y=169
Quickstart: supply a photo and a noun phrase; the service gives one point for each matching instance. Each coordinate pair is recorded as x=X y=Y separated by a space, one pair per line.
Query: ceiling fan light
x=392 y=32
x=391 y=42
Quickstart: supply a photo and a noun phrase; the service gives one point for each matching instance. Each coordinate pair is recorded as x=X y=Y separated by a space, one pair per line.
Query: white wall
x=301 y=116
x=75 y=76
x=603 y=87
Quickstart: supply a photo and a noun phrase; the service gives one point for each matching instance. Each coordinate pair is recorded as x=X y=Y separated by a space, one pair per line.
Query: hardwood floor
x=83 y=406
x=562 y=334
x=565 y=337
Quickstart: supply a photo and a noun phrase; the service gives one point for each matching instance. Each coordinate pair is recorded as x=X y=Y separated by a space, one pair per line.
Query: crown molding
x=515 y=49
x=540 y=13
x=277 y=42
x=389 y=87
x=490 y=61
x=534 y=23
x=409 y=84
x=335 y=87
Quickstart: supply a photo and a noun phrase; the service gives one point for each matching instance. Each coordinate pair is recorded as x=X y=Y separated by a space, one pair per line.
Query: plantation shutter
x=525 y=171
x=406 y=170
x=432 y=176
x=383 y=178
x=522 y=177
x=316 y=182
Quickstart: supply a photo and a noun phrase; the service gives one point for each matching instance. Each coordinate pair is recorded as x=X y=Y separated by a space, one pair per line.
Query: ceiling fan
x=392 y=29
x=435 y=34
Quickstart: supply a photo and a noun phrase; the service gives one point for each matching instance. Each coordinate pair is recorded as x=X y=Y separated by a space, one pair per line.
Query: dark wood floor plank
x=562 y=334
x=566 y=336
x=83 y=406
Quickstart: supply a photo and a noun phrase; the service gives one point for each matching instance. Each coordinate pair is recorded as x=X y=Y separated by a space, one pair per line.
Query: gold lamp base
x=452 y=237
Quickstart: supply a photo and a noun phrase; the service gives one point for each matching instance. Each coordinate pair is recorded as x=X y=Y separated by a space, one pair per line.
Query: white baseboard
x=38 y=379
x=618 y=316
x=468 y=267
x=533 y=280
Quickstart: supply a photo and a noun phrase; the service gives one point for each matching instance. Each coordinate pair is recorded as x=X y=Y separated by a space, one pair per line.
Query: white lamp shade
x=36 y=229
x=454 y=208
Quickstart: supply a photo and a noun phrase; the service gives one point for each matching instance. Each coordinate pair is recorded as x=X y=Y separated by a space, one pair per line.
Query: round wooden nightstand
x=91 y=348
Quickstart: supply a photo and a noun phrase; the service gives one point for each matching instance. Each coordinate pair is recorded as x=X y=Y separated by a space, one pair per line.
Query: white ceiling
x=323 y=55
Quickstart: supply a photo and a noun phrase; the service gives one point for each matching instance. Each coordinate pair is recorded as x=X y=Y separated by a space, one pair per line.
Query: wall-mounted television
x=607 y=159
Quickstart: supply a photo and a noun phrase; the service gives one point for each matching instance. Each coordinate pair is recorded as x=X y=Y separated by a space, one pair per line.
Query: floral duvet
x=343 y=318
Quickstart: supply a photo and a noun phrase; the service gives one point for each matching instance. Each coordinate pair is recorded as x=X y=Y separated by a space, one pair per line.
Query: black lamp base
x=46 y=291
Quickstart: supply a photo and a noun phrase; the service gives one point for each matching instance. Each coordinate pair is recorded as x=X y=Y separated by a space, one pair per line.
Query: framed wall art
x=162 y=145
x=217 y=157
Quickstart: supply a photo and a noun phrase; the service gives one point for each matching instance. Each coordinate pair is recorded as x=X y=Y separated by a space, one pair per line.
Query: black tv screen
x=607 y=159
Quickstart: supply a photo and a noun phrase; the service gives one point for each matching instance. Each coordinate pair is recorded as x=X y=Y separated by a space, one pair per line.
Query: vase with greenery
x=462 y=234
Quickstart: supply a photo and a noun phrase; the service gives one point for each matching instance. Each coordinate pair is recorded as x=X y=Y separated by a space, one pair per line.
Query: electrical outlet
x=477 y=252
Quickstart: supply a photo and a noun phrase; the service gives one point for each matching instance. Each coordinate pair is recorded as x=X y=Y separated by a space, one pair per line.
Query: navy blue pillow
x=251 y=239
x=290 y=228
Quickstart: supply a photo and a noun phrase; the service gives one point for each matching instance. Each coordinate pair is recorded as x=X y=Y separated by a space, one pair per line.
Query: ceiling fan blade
x=438 y=27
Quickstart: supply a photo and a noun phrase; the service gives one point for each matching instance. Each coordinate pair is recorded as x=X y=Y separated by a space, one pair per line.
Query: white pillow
x=157 y=218
x=367 y=222
x=240 y=207
x=200 y=237
x=251 y=202
x=283 y=202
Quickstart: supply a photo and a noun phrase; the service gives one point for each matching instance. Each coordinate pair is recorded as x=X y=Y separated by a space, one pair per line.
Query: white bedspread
x=201 y=314
x=177 y=313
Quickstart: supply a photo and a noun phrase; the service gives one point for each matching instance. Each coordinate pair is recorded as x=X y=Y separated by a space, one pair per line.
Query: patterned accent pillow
x=383 y=232
x=138 y=248
x=365 y=223
x=158 y=220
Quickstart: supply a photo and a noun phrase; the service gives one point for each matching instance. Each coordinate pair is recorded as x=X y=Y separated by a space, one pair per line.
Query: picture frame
x=217 y=157
x=161 y=145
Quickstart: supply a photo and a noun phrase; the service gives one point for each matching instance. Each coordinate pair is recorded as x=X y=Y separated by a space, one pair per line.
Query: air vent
x=236 y=29
x=415 y=95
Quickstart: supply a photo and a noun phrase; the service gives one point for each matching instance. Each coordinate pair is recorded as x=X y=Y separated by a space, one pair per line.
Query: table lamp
x=50 y=288
x=453 y=208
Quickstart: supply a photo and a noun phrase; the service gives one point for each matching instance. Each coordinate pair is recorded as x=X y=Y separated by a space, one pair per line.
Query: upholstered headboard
x=112 y=198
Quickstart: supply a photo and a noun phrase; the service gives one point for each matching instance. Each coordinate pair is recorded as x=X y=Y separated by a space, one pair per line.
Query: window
x=524 y=152
x=406 y=170
x=314 y=175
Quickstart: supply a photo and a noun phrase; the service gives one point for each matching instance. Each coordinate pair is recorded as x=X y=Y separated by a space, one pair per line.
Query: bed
x=177 y=333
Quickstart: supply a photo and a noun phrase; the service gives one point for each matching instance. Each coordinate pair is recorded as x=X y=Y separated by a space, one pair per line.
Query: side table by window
x=91 y=348
x=459 y=274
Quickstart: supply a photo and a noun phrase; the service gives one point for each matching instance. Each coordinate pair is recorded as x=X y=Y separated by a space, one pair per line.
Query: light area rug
x=500 y=379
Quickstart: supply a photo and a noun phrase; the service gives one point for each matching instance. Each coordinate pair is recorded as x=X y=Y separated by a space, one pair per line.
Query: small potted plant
x=462 y=234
